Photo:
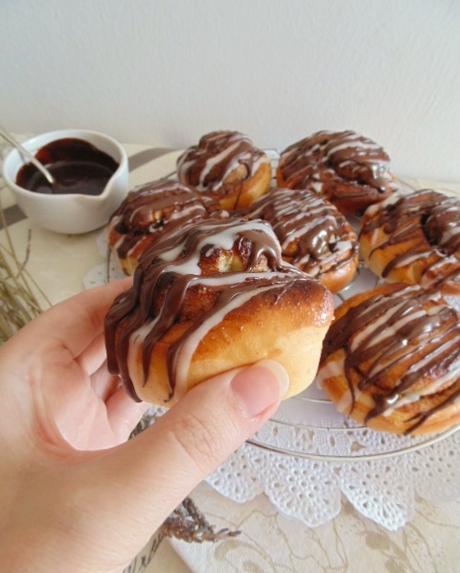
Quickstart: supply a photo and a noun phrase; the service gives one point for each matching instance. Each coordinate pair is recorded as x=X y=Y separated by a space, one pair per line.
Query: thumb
x=164 y=463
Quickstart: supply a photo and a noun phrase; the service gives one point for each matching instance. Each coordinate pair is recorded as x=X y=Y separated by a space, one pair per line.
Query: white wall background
x=166 y=71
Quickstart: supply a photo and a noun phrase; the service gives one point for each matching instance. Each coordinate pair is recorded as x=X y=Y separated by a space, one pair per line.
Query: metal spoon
x=27 y=156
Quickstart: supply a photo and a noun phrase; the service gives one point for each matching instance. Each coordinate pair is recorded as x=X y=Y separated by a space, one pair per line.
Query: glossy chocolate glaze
x=314 y=235
x=342 y=165
x=206 y=166
x=77 y=166
x=404 y=346
x=429 y=222
x=444 y=274
x=154 y=209
x=177 y=266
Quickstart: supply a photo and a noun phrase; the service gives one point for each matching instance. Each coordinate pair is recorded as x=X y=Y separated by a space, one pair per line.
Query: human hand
x=73 y=495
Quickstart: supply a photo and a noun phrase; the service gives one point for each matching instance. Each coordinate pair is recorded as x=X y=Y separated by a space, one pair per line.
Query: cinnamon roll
x=414 y=238
x=352 y=171
x=147 y=213
x=215 y=298
x=391 y=360
x=227 y=168
x=314 y=235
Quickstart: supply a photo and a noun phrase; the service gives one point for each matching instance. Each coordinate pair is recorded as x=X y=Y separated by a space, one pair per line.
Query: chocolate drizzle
x=189 y=280
x=342 y=165
x=313 y=234
x=424 y=228
x=208 y=165
x=151 y=210
x=402 y=347
x=444 y=275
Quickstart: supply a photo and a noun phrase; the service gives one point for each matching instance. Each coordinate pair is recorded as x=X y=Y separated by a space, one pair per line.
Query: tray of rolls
x=317 y=257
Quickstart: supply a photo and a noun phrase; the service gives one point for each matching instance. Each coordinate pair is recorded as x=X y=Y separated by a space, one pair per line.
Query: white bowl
x=71 y=213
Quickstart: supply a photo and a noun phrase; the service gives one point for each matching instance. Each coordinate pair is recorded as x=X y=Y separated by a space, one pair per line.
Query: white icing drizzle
x=324 y=239
x=353 y=143
x=428 y=390
x=293 y=235
x=213 y=161
x=410 y=258
x=375 y=325
x=432 y=355
x=191 y=343
x=223 y=239
x=396 y=327
x=322 y=152
x=217 y=149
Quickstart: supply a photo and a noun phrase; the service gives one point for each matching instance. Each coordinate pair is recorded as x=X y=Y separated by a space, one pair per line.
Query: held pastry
x=352 y=171
x=216 y=298
x=391 y=360
x=147 y=213
x=227 y=168
x=314 y=235
x=413 y=238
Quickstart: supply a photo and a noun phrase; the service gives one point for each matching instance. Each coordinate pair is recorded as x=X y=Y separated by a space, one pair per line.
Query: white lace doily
x=308 y=456
x=384 y=490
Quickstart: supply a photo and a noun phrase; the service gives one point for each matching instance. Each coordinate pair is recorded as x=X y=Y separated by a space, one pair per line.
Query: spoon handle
x=26 y=155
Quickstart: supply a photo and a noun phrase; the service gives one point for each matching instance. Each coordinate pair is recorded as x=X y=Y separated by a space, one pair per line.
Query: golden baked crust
x=227 y=168
x=314 y=235
x=350 y=170
x=218 y=298
x=283 y=329
x=391 y=360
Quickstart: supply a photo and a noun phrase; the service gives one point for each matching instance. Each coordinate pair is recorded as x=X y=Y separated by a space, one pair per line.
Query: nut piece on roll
x=350 y=170
x=147 y=213
x=314 y=235
x=391 y=360
x=227 y=168
x=415 y=238
x=215 y=298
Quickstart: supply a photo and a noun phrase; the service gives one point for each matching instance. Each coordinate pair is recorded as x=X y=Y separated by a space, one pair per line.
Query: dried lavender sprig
x=18 y=301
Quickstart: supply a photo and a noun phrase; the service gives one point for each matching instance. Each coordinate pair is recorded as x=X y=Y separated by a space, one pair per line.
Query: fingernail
x=260 y=386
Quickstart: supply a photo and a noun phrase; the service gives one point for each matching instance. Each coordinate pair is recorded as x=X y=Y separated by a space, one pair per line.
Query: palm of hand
x=59 y=401
x=62 y=386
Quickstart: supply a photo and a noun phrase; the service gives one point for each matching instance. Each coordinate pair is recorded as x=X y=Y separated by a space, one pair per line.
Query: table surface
x=270 y=542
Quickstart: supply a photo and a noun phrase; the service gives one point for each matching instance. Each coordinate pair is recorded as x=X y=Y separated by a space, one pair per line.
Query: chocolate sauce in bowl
x=77 y=166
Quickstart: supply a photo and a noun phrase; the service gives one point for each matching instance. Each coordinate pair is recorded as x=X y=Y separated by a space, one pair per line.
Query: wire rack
x=309 y=426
